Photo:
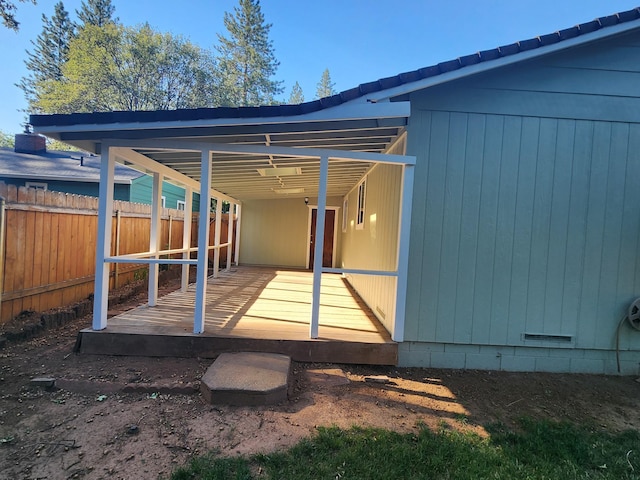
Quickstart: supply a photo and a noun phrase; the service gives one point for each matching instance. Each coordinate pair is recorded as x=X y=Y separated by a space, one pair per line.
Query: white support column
x=186 y=235
x=238 y=225
x=203 y=242
x=404 y=229
x=103 y=247
x=154 y=238
x=216 y=239
x=229 y=235
x=319 y=246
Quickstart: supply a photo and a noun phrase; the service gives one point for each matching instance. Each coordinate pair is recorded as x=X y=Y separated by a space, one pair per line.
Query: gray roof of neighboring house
x=57 y=165
x=343 y=97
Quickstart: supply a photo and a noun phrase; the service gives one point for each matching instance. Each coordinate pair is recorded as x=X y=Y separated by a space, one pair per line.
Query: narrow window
x=345 y=214
x=37 y=185
x=164 y=201
x=362 y=193
x=181 y=205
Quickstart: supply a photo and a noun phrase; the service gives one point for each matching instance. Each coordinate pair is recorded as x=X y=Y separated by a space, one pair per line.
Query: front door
x=329 y=225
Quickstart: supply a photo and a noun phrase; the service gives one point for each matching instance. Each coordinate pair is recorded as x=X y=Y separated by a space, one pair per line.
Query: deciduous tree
x=121 y=68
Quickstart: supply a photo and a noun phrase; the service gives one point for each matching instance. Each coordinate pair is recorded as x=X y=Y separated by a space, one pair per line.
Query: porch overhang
x=226 y=158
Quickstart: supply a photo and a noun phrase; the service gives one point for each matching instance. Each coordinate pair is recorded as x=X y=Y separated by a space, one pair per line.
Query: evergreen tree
x=246 y=58
x=96 y=12
x=51 y=51
x=296 y=96
x=325 y=87
x=7 y=13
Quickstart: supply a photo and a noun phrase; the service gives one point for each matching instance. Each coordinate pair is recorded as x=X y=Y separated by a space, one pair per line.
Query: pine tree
x=7 y=13
x=246 y=58
x=96 y=12
x=325 y=87
x=51 y=51
x=296 y=96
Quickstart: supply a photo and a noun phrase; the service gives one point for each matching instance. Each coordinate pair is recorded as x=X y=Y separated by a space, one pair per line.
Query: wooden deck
x=252 y=309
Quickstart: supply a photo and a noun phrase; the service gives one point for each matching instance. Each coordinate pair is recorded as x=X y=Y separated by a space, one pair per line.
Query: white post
x=203 y=242
x=238 y=224
x=154 y=238
x=103 y=247
x=229 y=235
x=403 y=252
x=216 y=239
x=319 y=246
x=186 y=235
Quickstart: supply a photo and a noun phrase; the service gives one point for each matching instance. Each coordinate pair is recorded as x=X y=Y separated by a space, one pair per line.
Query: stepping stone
x=247 y=378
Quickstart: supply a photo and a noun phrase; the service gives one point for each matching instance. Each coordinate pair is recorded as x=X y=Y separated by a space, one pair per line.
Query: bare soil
x=140 y=418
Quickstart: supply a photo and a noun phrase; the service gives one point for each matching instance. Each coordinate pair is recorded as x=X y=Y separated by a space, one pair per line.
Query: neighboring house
x=486 y=208
x=30 y=164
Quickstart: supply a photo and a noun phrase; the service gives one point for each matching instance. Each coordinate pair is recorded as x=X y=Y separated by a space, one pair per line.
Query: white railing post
x=103 y=247
x=154 y=237
x=203 y=242
x=238 y=225
x=216 y=239
x=319 y=247
x=186 y=236
x=229 y=235
x=402 y=265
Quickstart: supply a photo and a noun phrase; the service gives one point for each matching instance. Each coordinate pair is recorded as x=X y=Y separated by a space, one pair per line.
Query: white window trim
x=164 y=201
x=345 y=214
x=181 y=205
x=38 y=185
x=361 y=203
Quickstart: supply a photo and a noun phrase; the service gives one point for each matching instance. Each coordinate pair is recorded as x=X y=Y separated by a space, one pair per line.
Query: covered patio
x=231 y=157
x=255 y=309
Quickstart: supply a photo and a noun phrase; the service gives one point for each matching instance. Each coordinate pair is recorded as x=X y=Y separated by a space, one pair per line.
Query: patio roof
x=367 y=128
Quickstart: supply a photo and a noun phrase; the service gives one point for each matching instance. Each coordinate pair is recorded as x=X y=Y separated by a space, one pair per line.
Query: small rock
x=377 y=379
x=44 y=382
x=133 y=429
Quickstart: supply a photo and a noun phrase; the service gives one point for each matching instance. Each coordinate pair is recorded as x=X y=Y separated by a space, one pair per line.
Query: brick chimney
x=30 y=143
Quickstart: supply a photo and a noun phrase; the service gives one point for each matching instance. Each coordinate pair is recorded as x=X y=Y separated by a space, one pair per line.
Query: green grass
x=539 y=450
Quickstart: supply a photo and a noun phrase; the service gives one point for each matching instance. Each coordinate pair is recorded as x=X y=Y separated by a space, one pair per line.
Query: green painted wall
x=141 y=192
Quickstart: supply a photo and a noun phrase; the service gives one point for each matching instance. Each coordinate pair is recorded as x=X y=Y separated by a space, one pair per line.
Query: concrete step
x=247 y=378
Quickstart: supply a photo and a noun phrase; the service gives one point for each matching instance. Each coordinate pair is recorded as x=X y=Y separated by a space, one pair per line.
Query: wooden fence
x=50 y=246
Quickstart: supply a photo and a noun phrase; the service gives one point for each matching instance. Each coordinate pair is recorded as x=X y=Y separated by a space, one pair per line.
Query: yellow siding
x=274 y=232
x=375 y=246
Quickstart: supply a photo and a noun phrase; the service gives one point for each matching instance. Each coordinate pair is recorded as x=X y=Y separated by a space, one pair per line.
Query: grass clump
x=539 y=450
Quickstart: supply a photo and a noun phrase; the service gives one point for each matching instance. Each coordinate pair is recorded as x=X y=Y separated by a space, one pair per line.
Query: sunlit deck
x=252 y=309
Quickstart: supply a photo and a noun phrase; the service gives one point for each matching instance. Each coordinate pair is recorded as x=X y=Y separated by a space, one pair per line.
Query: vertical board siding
x=523 y=225
x=375 y=246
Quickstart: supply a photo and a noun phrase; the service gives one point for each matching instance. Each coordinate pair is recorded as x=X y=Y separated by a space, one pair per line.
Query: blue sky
x=357 y=40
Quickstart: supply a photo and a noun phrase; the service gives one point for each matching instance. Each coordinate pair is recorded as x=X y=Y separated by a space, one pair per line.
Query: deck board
x=264 y=309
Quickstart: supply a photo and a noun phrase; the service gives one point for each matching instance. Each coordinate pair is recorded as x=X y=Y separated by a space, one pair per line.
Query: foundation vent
x=542 y=337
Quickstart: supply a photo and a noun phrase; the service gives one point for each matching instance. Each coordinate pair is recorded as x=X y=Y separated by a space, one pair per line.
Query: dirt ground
x=140 y=418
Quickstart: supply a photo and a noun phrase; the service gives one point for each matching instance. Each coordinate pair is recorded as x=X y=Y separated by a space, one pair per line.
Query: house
x=30 y=164
x=485 y=208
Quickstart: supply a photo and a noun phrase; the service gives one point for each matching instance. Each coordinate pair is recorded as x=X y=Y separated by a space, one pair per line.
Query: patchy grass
x=539 y=450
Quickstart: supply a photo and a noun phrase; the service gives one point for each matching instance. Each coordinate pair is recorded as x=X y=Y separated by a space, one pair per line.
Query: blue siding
x=141 y=192
x=120 y=191
x=525 y=213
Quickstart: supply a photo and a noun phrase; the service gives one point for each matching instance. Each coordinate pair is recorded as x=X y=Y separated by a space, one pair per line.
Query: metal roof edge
x=498 y=62
x=340 y=112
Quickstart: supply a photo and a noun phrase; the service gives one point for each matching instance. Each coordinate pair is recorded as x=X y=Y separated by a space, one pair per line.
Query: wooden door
x=329 y=225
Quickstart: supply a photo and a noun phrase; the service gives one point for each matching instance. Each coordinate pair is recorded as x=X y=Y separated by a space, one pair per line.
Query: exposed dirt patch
x=132 y=417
